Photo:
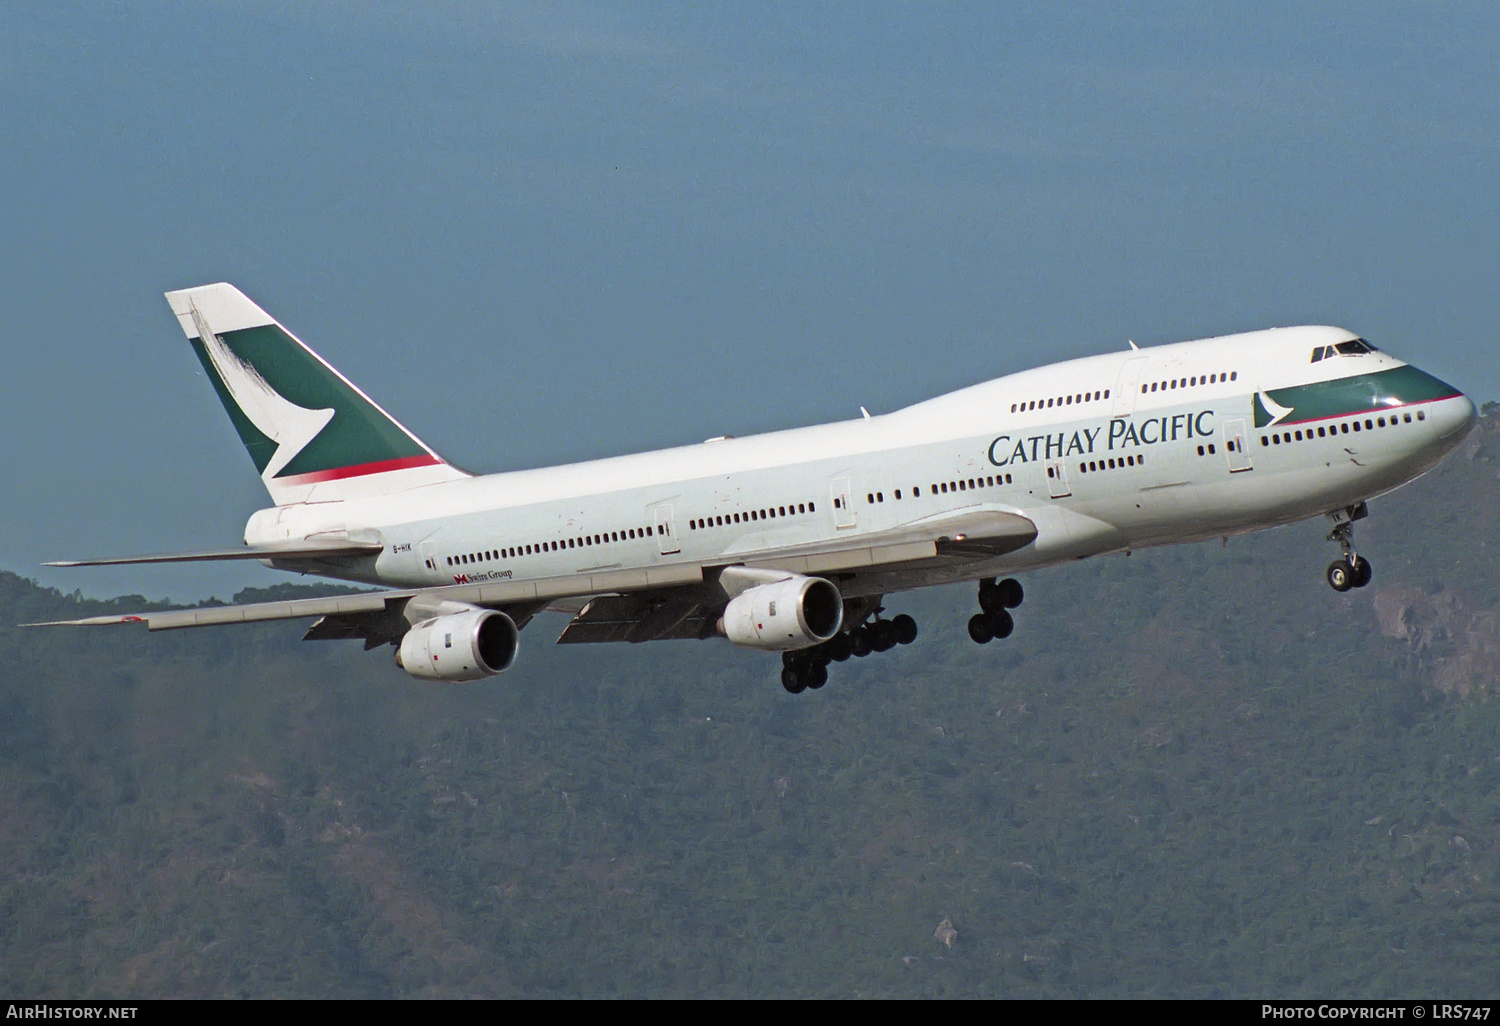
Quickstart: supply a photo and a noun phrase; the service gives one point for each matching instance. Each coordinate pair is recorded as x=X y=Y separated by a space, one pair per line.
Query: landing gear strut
x=1352 y=570
x=996 y=599
x=807 y=669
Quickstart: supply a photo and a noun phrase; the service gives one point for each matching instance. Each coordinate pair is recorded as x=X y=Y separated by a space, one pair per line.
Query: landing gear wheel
x=1340 y=575
x=882 y=636
x=906 y=629
x=980 y=629
x=1001 y=624
x=1362 y=571
x=859 y=642
x=817 y=677
x=1011 y=593
x=1353 y=570
x=839 y=647
x=792 y=680
x=991 y=597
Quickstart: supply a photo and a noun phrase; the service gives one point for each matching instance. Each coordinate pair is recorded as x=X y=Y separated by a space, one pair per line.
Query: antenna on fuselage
x=865 y=412
x=1133 y=345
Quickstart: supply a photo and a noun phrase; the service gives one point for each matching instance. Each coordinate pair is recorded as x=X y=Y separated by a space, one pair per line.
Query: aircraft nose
x=1456 y=417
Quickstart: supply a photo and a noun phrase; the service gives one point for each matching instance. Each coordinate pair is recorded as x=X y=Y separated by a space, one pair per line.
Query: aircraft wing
x=302 y=548
x=977 y=532
x=634 y=604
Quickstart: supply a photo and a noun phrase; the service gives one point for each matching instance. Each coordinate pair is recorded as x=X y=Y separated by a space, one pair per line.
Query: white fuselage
x=1102 y=454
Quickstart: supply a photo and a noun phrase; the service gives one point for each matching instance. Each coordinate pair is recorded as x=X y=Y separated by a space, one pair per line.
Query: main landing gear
x=808 y=668
x=996 y=600
x=1352 y=570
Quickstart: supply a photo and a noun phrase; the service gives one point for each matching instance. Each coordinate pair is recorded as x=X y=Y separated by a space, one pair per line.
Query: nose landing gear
x=996 y=599
x=1352 y=570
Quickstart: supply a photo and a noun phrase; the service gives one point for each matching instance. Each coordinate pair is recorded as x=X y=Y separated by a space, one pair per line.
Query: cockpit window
x=1355 y=348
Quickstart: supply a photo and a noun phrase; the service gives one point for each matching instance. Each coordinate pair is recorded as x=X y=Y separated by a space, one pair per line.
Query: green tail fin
x=311 y=433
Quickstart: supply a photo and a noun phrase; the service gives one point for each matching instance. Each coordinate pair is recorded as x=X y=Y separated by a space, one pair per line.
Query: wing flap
x=637 y=618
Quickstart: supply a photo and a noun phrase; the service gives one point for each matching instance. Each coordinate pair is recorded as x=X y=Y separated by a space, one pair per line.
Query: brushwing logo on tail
x=290 y=426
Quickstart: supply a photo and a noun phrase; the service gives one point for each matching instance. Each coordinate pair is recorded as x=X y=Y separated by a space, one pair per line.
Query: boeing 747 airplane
x=790 y=542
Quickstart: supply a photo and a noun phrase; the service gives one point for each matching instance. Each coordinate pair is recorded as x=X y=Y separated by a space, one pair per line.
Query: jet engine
x=459 y=647
x=796 y=612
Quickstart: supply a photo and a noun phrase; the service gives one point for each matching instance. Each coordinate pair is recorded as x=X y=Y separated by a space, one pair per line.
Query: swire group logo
x=477 y=578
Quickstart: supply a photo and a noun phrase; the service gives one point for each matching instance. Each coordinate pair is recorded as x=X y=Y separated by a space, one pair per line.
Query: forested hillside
x=1190 y=772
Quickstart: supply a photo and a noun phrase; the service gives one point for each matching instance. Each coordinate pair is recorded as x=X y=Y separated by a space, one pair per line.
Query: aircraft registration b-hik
x=789 y=542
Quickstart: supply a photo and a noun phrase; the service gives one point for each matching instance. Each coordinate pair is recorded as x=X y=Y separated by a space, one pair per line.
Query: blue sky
x=551 y=231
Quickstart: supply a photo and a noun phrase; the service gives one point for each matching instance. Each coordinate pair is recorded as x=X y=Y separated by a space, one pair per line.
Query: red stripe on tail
x=361 y=469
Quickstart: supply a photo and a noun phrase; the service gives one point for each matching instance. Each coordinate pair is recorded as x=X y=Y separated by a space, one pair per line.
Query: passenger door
x=843 y=512
x=1235 y=450
x=1126 y=387
x=666 y=530
x=1057 y=480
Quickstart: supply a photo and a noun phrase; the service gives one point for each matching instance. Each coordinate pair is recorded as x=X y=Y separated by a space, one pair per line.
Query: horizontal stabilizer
x=302 y=548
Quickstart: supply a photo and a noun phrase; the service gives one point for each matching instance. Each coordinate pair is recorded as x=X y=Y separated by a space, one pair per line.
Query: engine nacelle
x=460 y=646
x=797 y=612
